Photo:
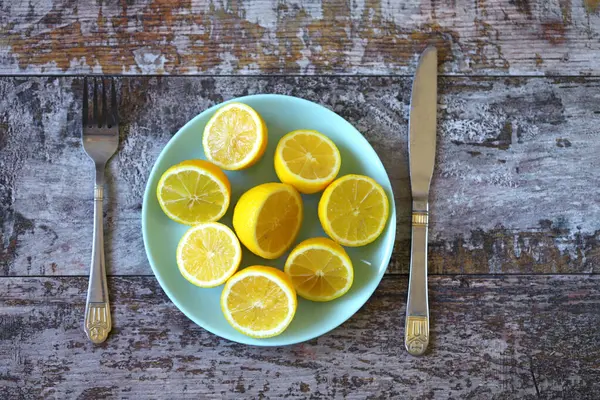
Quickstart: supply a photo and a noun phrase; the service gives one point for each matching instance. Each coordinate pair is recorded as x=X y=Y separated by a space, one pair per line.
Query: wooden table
x=515 y=208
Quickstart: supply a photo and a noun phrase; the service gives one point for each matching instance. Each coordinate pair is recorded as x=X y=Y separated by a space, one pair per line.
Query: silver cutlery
x=421 y=149
x=100 y=140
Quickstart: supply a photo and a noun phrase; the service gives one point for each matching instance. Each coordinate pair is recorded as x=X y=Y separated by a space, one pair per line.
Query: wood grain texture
x=515 y=186
x=521 y=337
x=497 y=37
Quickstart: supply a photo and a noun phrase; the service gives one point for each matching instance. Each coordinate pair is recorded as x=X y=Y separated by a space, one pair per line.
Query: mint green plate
x=282 y=114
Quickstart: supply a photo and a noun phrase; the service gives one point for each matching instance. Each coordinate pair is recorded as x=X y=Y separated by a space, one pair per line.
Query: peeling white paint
x=304 y=62
x=79 y=65
x=265 y=17
x=97 y=68
x=150 y=61
x=229 y=62
x=358 y=51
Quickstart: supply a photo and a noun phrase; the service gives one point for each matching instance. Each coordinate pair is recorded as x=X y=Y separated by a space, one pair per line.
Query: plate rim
x=272 y=342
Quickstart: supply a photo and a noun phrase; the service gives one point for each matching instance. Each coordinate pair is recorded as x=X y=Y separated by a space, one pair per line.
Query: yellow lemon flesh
x=320 y=269
x=193 y=192
x=353 y=210
x=259 y=301
x=307 y=160
x=235 y=137
x=208 y=254
x=267 y=219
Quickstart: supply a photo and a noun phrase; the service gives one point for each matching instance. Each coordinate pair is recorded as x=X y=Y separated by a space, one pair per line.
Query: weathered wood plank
x=556 y=37
x=520 y=337
x=515 y=187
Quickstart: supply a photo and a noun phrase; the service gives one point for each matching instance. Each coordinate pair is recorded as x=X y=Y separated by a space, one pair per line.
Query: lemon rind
x=289 y=189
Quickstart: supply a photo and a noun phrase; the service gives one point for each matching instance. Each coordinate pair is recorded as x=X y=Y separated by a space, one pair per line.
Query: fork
x=100 y=140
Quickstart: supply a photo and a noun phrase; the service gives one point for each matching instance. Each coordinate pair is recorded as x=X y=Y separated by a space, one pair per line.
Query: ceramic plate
x=282 y=114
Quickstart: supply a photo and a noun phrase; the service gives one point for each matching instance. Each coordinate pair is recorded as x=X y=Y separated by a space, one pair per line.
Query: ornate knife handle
x=416 y=332
x=97 y=309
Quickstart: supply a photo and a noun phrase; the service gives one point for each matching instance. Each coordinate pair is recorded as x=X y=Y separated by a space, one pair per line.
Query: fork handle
x=416 y=330
x=97 y=309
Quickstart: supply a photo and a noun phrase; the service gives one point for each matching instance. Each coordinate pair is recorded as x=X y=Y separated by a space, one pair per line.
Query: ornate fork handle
x=97 y=310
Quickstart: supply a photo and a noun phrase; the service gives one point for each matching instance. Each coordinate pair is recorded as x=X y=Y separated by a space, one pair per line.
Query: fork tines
x=100 y=115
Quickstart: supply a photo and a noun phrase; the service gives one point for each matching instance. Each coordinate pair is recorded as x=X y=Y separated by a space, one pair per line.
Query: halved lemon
x=208 y=254
x=194 y=191
x=307 y=160
x=259 y=301
x=353 y=210
x=320 y=269
x=267 y=219
x=235 y=137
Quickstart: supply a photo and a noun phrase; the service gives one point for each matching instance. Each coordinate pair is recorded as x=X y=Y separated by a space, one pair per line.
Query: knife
x=421 y=150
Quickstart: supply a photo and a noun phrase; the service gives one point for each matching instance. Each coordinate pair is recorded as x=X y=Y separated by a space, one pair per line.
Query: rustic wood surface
x=515 y=187
x=525 y=37
x=519 y=337
x=515 y=213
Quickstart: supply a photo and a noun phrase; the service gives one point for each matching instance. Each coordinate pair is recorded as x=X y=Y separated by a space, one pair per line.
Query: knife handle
x=416 y=330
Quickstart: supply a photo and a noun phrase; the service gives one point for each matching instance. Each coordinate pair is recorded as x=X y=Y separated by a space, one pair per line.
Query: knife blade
x=421 y=149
